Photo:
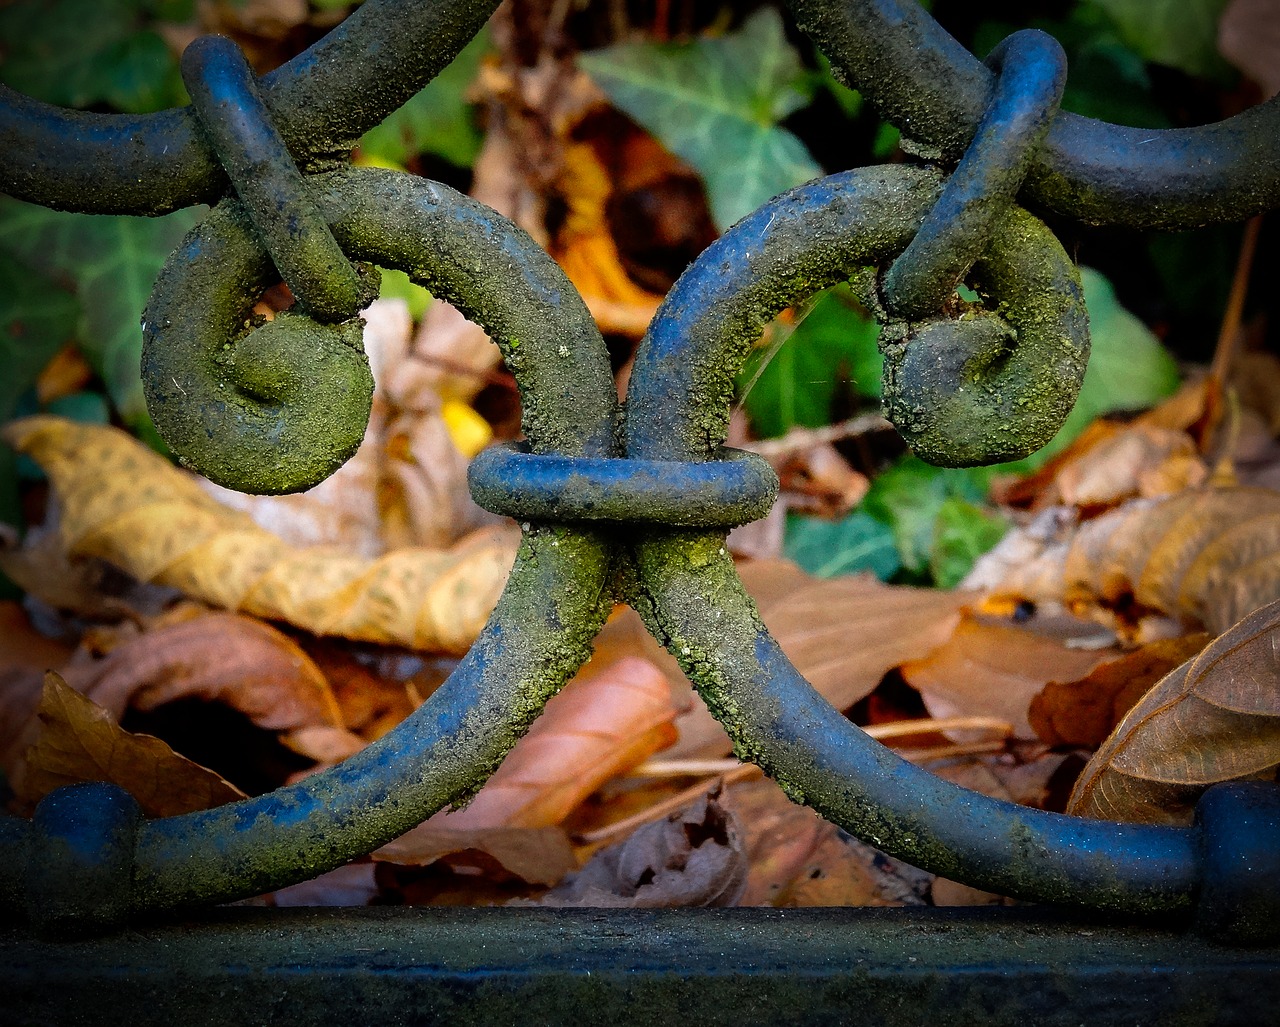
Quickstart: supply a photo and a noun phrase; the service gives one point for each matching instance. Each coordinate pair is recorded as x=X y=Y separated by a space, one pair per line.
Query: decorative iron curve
x=87 y=861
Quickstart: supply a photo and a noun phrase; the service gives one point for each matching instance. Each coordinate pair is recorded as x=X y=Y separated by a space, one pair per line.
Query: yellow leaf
x=1215 y=718
x=125 y=504
x=470 y=432
x=80 y=741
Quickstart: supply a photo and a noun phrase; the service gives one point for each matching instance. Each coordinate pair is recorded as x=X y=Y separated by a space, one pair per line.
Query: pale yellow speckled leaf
x=123 y=503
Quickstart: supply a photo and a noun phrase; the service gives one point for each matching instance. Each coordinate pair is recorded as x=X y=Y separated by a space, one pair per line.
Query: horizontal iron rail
x=890 y=967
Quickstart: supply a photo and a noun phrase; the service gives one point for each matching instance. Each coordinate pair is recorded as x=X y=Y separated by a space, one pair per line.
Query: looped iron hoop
x=693 y=601
x=323 y=100
x=1033 y=72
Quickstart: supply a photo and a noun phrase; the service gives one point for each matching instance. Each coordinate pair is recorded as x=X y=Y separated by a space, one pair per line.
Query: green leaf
x=962 y=532
x=438 y=119
x=856 y=543
x=834 y=344
x=36 y=319
x=1180 y=33
x=1128 y=368
x=910 y=496
x=397 y=286
x=79 y=53
x=849 y=100
x=716 y=104
x=111 y=262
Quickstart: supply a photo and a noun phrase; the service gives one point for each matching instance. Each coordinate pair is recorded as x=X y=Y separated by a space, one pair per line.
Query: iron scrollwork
x=635 y=506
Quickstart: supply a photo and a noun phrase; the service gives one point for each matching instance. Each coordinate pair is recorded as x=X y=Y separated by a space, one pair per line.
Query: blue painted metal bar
x=734 y=488
x=225 y=96
x=1033 y=72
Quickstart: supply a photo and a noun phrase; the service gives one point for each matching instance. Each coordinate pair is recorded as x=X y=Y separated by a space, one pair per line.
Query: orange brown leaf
x=1083 y=712
x=993 y=668
x=1215 y=718
x=609 y=718
x=80 y=741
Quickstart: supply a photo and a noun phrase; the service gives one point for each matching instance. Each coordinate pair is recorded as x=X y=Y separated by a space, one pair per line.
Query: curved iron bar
x=1032 y=74
x=224 y=94
x=687 y=590
x=935 y=91
x=323 y=100
x=556 y=599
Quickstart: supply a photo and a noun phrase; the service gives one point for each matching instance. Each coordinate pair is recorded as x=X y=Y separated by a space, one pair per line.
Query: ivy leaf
x=36 y=319
x=1128 y=367
x=79 y=53
x=858 y=542
x=111 y=262
x=913 y=498
x=835 y=343
x=438 y=119
x=962 y=532
x=1180 y=33
x=716 y=104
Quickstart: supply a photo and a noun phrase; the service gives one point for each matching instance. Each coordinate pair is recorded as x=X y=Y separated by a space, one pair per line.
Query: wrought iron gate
x=632 y=505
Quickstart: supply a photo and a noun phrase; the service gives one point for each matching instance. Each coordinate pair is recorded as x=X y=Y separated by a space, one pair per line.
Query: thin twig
x=800 y=439
x=736 y=772
x=730 y=771
x=880 y=732
x=1229 y=334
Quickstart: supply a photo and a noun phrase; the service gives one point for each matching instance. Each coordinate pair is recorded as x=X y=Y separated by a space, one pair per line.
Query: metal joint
x=733 y=488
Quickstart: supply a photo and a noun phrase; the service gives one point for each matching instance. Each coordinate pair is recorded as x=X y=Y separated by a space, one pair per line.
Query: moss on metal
x=980 y=387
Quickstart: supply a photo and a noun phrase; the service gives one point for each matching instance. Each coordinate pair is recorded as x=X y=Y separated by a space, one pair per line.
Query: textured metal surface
x=677 y=409
x=225 y=96
x=734 y=488
x=924 y=82
x=323 y=100
x=275 y=407
x=889 y=967
x=1033 y=73
x=556 y=599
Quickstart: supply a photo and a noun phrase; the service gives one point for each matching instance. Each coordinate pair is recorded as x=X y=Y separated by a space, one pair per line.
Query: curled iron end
x=268 y=408
x=992 y=384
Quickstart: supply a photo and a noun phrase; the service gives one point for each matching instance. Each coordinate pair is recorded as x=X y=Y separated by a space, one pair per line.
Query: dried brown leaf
x=1209 y=555
x=1142 y=460
x=79 y=741
x=843 y=634
x=216 y=657
x=990 y=667
x=692 y=858
x=609 y=718
x=127 y=505
x=538 y=855
x=795 y=858
x=1215 y=718
x=1083 y=712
